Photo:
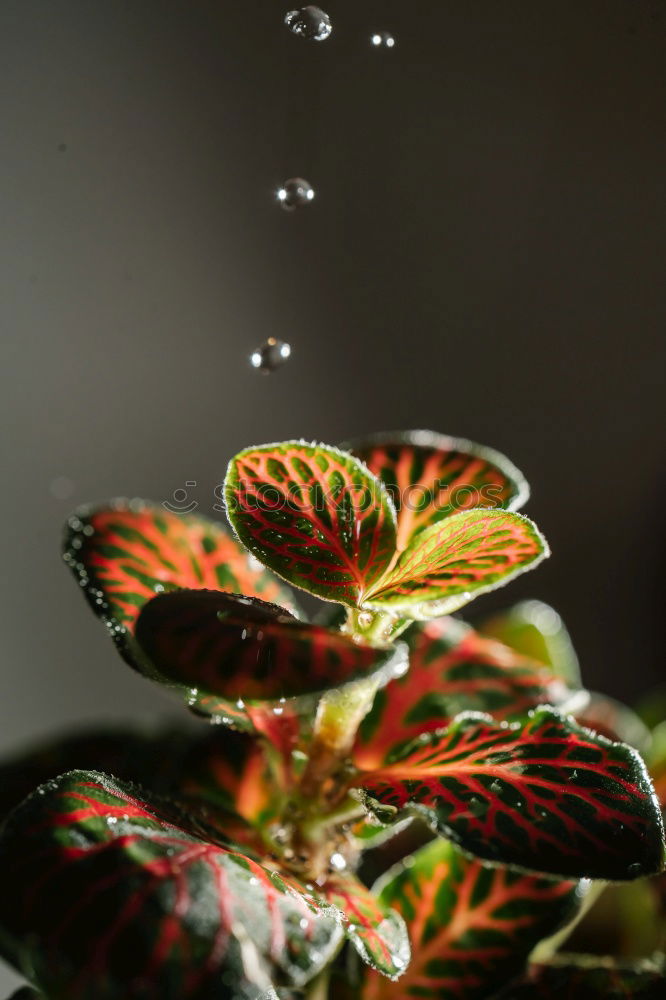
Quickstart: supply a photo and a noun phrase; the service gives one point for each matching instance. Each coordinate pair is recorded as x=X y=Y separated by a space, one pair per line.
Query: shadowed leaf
x=452 y=561
x=452 y=669
x=314 y=515
x=545 y=795
x=576 y=977
x=471 y=927
x=117 y=893
x=430 y=476
x=536 y=630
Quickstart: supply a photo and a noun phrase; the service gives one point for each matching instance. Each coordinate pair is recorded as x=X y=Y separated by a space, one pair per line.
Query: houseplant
x=234 y=864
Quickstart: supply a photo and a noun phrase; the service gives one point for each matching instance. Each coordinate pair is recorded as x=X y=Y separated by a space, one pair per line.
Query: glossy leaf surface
x=125 y=553
x=430 y=476
x=241 y=648
x=472 y=927
x=377 y=932
x=536 y=630
x=546 y=795
x=314 y=515
x=590 y=978
x=452 y=669
x=454 y=560
x=121 y=897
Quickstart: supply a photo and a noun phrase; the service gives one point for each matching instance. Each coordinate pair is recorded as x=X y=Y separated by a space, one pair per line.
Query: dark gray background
x=485 y=257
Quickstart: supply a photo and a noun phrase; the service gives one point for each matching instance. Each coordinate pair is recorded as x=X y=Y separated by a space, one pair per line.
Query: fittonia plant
x=237 y=864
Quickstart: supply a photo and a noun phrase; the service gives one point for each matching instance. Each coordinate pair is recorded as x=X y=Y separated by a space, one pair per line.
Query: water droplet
x=294 y=193
x=382 y=40
x=270 y=355
x=365 y=619
x=278 y=711
x=61 y=488
x=309 y=22
x=634 y=870
x=112 y=820
x=338 y=862
x=398 y=962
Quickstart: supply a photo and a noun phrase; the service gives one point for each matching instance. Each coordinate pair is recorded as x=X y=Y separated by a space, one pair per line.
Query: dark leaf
x=545 y=795
x=588 y=978
x=108 y=896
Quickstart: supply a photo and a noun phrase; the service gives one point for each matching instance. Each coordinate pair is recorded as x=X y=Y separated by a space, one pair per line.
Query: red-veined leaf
x=452 y=669
x=454 y=560
x=376 y=931
x=126 y=552
x=221 y=775
x=578 y=977
x=227 y=652
x=536 y=630
x=545 y=795
x=431 y=476
x=314 y=515
x=108 y=895
x=472 y=927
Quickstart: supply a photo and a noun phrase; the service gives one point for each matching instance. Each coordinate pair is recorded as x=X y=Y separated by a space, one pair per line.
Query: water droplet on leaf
x=295 y=193
x=270 y=355
x=382 y=40
x=309 y=22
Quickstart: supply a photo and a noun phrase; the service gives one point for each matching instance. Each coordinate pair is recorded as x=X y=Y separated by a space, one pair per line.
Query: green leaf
x=625 y=921
x=536 y=630
x=217 y=772
x=314 y=515
x=472 y=927
x=431 y=476
x=545 y=795
x=227 y=653
x=452 y=669
x=127 y=551
x=377 y=932
x=454 y=560
x=578 y=977
x=106 y=892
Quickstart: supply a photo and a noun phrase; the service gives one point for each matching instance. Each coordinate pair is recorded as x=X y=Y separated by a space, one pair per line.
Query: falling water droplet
x=271 y=355
x=309 y=22
x=382 y=40
x=295 y=193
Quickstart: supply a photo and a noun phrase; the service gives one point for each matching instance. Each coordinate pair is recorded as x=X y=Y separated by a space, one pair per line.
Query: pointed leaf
x=227 y=652
x=450 y=562
x=452 y=669
x=314 y=515
x=377 y=932
x=105 y=893
x=472 y=927
x=536 y=630
x=126 y=552
x=578 y=977
x=430 y=476
x=546 y=795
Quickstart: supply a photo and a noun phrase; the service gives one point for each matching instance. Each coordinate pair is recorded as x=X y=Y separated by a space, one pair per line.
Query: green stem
x=318 y=988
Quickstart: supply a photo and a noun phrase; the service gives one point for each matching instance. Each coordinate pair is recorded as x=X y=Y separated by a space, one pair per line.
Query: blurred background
x=484 y=257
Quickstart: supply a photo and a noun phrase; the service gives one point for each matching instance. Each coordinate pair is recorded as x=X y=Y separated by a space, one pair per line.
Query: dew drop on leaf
x=271 y=355
x=295 y=193
x=382 y=40
x=309 y=22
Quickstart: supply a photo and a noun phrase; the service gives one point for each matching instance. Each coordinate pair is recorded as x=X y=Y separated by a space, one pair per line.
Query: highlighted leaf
x=450 y=562
x=579 y=977
x=116 y=892
x=452 y=669
x=430 y=476
x=472 y=927
x=546 y=796
x=125 y=553
x=536 y=630
x=226 y=650
x=376 y=931
x=314 y=515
